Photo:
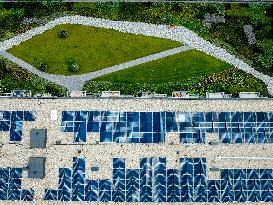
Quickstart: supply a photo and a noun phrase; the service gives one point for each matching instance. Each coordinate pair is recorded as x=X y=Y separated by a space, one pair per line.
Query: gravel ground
x=61 y=155
x=179 y=33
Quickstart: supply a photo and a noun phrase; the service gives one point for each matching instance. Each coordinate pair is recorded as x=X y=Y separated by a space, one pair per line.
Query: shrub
x=24 y=29
x=55 y=90
x=264 y=62
x=72 y=66
x=63 y=33
x=3 y=67
x=40 y=64
x=85 y=8
x=43 y=67
x=18 y=73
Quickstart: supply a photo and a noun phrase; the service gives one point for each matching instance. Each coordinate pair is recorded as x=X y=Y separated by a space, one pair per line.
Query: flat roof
x=222 y=156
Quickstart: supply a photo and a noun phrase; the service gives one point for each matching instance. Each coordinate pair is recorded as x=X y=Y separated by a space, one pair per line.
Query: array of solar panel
x=10 y=185
x=150 y=127
x=12 y=121
x=153 y=182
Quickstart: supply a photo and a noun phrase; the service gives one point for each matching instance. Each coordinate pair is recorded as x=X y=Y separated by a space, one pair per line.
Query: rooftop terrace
x=146 y=150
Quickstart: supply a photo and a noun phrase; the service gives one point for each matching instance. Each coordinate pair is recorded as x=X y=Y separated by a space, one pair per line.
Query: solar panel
x=151 y=127
x=11 y=188
x=153 y=182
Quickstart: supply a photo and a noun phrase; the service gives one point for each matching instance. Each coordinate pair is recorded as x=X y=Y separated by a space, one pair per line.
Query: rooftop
x=71 y=158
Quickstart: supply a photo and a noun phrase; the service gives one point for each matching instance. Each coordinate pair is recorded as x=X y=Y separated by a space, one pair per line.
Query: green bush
x=55 y=90
x=40 y=64
x=212 y=8
x=3 y=67
x=264 y=62
x=18 y=73
x=43 y=67
x=85 y=8
x=72 y=65
x=10 y=19
x=63 y=34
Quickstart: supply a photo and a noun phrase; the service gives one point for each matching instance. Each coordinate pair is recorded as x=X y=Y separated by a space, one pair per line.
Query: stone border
x=179 y=33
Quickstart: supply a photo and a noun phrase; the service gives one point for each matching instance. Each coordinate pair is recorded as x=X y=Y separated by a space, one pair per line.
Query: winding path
x=179 y=33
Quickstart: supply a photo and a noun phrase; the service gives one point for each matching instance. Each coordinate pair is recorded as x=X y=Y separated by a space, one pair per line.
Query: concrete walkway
x=179 y=33
x=76 y=82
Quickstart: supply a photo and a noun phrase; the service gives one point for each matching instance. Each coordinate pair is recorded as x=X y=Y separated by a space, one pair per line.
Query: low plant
x=40 y=64
x=63 y=33
x=18 y=73
x=3 y=67
x=72 y=65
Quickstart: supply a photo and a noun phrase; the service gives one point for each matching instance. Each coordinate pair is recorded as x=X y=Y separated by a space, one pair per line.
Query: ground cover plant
x=169 y=69
x=91 y=48
x=13 y=77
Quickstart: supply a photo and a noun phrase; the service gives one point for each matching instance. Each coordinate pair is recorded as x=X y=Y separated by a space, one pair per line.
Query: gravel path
x=179 y=33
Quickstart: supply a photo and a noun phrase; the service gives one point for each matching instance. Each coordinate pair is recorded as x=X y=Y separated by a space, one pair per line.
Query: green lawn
x=93 y=48
x=177 y=67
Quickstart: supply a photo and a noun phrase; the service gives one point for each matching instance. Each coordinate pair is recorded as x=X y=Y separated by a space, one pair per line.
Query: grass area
x=230 y=80
x=92 y=48
x=177 y=67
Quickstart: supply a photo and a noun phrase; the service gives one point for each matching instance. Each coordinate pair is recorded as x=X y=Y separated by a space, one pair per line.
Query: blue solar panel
x=214 y=191
x=4 y=125
x=159 y=179
x=145 y=180
x=186 y=176
x=29 y=116
x=119 y=175
x=132 y=185
x=145 y=122
x=12 y=121
x=173 y=185
x=169 y=122
x=65 y=184
x=153 y=182
x=92 y=190
x=199 y=185
x=151 y=127
x=51 y=195
x=105 y=190
x=10 y=183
